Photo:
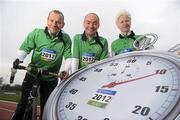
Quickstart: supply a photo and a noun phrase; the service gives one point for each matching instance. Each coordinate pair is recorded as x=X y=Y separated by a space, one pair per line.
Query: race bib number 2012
x=48 y=54
x=88 y=58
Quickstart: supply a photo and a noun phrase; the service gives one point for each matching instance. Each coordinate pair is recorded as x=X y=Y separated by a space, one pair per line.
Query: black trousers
x=46 y=87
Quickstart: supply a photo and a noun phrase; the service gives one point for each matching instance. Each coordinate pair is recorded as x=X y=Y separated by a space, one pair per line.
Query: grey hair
x=122 y=13
x=94 y=15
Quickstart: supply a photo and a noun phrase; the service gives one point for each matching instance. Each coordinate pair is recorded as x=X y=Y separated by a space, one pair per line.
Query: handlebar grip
x=22 y=67
x=11 y=79
x=13 y=72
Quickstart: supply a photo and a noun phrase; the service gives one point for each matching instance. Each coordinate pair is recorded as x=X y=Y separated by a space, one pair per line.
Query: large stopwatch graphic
x=131 y=86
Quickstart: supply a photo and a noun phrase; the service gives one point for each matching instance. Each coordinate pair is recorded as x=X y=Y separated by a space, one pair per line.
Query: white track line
x=8 y=102
x=6 y=109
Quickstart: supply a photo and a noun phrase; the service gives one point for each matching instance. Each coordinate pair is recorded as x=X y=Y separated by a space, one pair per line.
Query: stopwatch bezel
x=51 y=108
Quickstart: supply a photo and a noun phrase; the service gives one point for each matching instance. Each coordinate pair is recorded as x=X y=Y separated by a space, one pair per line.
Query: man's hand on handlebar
x=13 y=70
x=64 y=75
x=16 y=63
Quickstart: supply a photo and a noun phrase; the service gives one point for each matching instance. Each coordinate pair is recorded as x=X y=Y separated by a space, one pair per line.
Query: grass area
x=13 y=96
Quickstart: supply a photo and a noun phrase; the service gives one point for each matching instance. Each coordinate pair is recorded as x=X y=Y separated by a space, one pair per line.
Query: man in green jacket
x=49 y=46
x=126 y=37
x=88 y=47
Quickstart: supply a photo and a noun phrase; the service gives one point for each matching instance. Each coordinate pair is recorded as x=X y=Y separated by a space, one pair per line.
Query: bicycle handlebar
x=42 y=71
x=29 y=69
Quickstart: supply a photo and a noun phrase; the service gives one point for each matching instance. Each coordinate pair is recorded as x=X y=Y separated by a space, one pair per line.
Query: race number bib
x=101 y=98
x=126 y=50
x=48 y=54
x=88 y=58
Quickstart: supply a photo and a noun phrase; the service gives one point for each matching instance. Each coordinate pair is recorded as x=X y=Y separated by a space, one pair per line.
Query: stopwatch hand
x=110 y=85
x=113 y=84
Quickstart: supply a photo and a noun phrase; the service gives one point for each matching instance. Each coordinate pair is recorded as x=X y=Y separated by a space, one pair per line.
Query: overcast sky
x=19 y=17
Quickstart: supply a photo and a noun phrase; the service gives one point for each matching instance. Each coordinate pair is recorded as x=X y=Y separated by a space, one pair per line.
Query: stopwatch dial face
x=131 y=88
x=125 y=71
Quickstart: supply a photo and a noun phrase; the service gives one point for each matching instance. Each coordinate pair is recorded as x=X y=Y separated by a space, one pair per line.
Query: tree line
x=8 y=86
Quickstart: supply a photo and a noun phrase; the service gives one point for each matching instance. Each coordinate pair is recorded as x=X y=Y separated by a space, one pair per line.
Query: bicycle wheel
x=28 y=111
x=31 y=111
x=34 y=110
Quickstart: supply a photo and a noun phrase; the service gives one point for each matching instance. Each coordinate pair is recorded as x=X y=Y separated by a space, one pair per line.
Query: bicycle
x=31 y=107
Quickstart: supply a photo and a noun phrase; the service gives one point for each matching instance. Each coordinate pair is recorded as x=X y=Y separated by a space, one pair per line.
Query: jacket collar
x=59 y=35
x=131 y=35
